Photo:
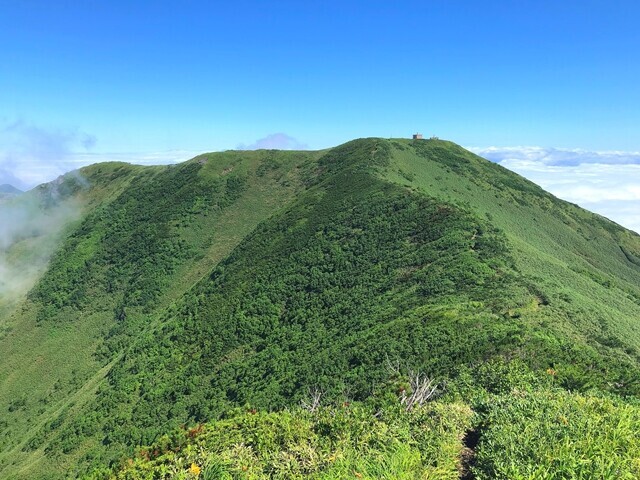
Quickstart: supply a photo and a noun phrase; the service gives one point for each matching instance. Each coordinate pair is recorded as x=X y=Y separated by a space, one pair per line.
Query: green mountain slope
x=583 y=266
x=56 y=345
x=178 y=293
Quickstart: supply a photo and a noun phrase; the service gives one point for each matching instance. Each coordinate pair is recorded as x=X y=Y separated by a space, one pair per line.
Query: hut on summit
x=417 y=136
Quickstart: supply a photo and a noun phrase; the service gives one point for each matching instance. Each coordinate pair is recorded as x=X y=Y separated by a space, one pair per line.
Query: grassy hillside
x=346 y=441
x=583 y=267
x=522 y=433
x=57 y=346
x=238 y=278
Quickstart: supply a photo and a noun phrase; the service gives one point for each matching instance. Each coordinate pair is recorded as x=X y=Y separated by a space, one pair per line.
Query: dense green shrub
x=349 y=441
x=130 y=248
x=319 y=296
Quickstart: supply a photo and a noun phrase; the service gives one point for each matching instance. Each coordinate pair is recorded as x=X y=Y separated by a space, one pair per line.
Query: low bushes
x=558 y=435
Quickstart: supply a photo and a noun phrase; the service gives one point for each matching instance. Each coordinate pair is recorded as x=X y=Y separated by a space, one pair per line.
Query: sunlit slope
x=250 y=277
x=33 y=226
x=141 y=237
x=585 y=268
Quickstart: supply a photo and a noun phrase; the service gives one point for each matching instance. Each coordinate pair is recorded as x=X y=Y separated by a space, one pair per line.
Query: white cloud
x=607 y=182
x=146 y=158
x=275 y=141
x=34 y=173
x=31 y=155
x=559 y=156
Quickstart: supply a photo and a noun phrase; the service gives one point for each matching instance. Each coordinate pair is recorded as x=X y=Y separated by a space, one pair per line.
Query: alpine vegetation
x=387 y=308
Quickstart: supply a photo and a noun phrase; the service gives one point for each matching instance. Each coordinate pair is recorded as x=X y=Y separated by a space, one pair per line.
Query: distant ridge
x=7 y=189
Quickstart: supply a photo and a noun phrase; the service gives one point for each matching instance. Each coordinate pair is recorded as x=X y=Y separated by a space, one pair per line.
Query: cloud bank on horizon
x=31 y=155
x=605 y=182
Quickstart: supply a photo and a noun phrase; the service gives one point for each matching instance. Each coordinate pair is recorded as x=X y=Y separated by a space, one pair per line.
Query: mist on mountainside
x=30 y=222
x=29 y=226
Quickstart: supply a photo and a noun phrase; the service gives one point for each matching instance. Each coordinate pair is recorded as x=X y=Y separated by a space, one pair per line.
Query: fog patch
x=31 y=154
x=30 y=228
x=31 y=223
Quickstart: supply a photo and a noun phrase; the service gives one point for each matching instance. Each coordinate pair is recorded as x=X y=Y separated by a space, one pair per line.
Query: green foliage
x=350 y=441
x=319 y=295
x=556 y=435
x=525 y=433
x=131 y=247
x=250 y=277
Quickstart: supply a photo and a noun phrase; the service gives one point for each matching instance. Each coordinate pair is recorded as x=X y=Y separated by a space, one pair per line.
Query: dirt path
x=468 y=454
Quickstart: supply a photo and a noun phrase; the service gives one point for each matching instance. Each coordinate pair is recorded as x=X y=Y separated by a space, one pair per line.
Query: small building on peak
x=417 y=136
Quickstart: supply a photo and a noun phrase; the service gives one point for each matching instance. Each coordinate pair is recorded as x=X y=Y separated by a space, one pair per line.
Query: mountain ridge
x=255 y=276
x=7 y=190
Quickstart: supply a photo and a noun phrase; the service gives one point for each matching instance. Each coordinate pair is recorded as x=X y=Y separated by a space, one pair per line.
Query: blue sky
x=93 y=79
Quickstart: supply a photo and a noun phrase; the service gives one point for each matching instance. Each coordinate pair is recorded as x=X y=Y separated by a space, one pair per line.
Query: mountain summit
x=176 y=294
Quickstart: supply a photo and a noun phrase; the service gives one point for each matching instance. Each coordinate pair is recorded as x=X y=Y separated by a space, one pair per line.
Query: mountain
x=170 y=296
x=7 y=190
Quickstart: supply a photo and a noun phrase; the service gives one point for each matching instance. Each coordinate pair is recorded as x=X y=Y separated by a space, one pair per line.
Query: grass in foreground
x=527 y=433
x=350 y=441
x=558 y=435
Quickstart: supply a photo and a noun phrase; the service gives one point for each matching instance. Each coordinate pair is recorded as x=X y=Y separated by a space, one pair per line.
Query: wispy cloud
x=23 y=219
x=275 y=141
x=29 y=152
x=32 y=154
x=606 y=182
